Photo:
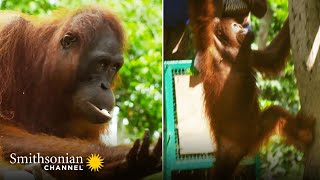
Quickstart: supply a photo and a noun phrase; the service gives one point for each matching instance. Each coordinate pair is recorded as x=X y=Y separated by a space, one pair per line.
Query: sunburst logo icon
x=94 y=162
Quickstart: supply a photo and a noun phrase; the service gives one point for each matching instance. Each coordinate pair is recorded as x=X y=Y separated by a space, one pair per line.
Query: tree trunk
x=265 y=24
x=304 y=18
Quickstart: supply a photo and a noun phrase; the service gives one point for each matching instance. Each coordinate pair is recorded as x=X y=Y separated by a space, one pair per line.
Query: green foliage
x=281 y=91
x=27 y=6
x=281 y=161
x=139 y=94
x=279 y=10
x=139 y=97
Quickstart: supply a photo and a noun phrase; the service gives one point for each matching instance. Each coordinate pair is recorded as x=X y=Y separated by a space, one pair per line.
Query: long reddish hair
x=36 y=76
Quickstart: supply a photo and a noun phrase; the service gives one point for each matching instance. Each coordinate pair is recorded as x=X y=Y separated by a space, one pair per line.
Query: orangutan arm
x=272 y=59
x=118 y=160
x=13 y=139
x=201 y=15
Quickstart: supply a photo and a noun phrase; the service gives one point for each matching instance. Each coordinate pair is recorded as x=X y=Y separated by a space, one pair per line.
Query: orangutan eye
x=102 y=66
x=114 y=68
x=236 y=27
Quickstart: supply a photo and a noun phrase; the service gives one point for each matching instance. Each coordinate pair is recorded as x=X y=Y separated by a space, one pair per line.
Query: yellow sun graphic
x=94 y=162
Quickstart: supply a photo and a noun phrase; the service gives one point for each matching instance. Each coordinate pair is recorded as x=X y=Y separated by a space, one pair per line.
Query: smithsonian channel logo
x=94 y=162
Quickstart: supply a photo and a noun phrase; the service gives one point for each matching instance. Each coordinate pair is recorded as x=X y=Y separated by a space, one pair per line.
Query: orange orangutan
x=56 y=96
x=227 y=65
